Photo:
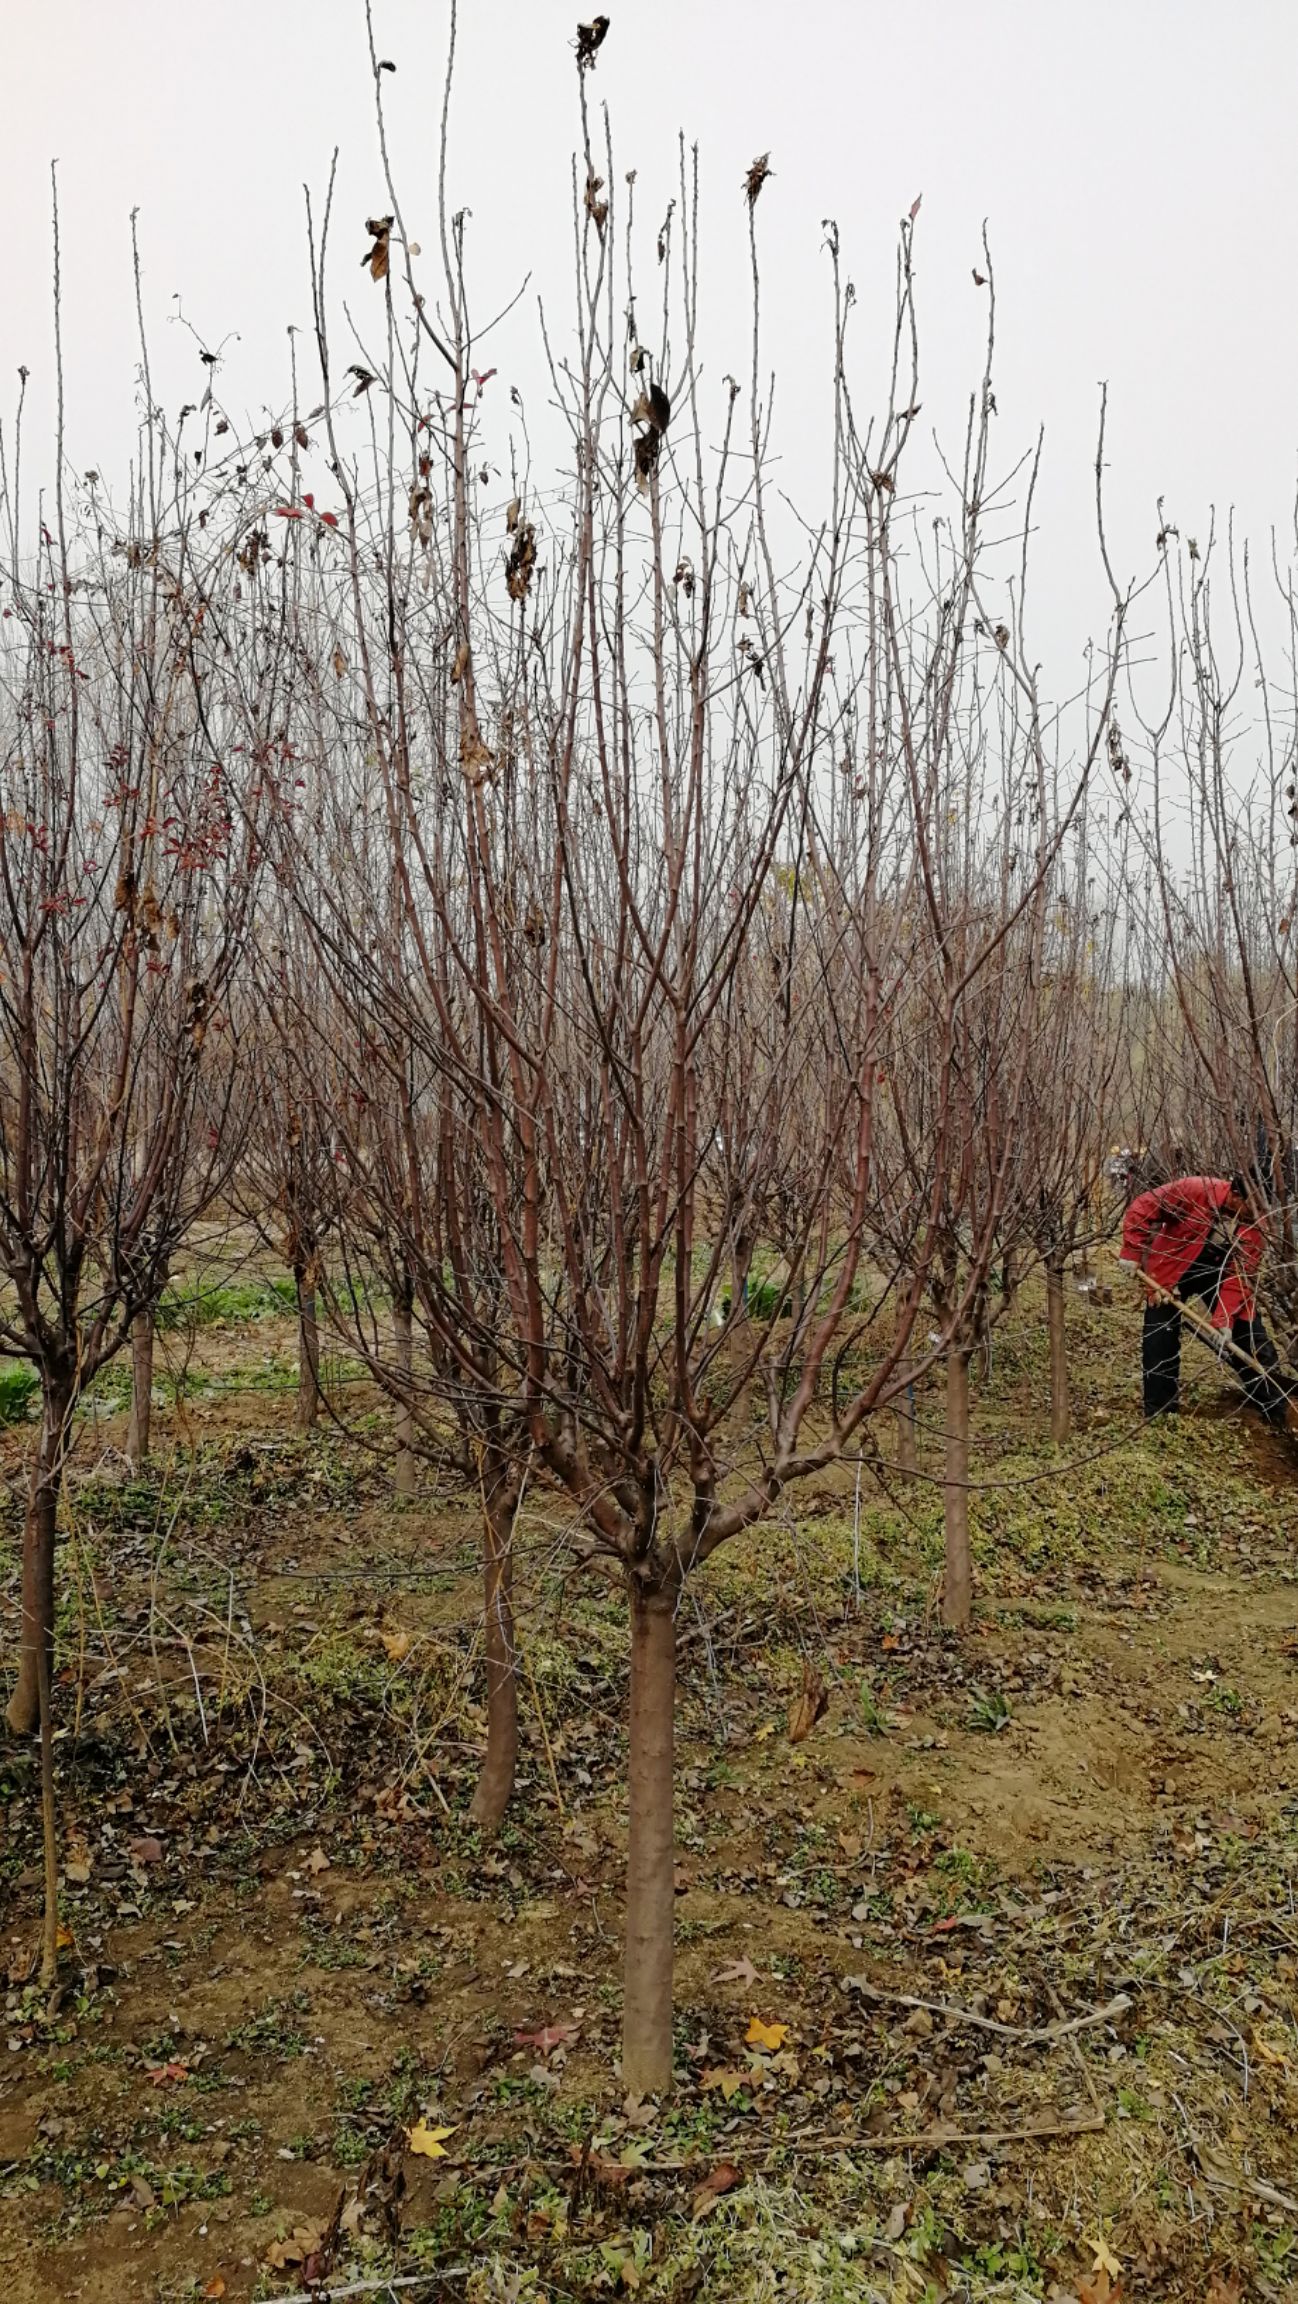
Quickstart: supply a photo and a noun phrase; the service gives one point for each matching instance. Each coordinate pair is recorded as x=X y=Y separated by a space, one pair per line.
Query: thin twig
x=386 y=2287
x=954 y=2015
x=767 y=2148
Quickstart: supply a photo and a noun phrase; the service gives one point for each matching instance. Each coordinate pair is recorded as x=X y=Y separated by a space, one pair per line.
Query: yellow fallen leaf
x=726 y=2078
x=761 y=2035
x=398 y=1645
x=428 y=2141
x=65 y=1938
x=1104 y=2259
x=1269 y=2054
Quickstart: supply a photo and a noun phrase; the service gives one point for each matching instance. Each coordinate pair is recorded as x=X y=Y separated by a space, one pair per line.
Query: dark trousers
x=1160 y=1348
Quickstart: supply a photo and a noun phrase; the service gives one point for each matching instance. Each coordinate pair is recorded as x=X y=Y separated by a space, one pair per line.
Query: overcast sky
x=1132 y=159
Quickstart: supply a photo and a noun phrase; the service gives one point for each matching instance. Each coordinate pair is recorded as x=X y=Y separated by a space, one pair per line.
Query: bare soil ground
x=1071 y=1837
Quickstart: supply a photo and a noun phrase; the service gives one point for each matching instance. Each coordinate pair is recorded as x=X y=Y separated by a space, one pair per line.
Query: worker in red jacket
x=1200 y=1236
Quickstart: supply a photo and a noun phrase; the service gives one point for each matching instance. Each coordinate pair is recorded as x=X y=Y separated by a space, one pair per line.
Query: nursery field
x=987 y=1976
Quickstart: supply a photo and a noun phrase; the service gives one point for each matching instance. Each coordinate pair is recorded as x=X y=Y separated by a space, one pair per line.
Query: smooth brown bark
x=141 y=1417
x=957 y=1583
x=49 y=1825
x=308 y=1354
x=907 y=1450
x=1061 y=1420
x=495 y=1785
x=36 y=1637
x=403 y=1422
x=650 y=1874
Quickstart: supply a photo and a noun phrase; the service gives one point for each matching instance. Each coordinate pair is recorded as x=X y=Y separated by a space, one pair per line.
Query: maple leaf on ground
x=429 y=2143
x=760 y=2035
x=726 y=2078
x=165 y=2075
x=721 y=2179
x=1104 y=2285
x=548 y=2037
x=736 y=1972
x=303 y=2241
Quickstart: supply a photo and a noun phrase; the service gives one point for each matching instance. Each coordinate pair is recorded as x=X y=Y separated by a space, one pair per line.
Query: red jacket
x=1164 y=1230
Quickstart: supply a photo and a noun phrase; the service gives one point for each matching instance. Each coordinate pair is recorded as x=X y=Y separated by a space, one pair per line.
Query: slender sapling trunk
x=496 y=1783
x=308 y=1351
x=49 y=1826
x=404 y=1422
x=37 y=1633
x=907 y=1448
x=650 y=1877
x=141 y=1417
x=957 y=1583
x=1060 y=1405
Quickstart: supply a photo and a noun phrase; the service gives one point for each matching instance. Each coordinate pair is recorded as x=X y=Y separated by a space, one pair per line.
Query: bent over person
x=1199 y=1236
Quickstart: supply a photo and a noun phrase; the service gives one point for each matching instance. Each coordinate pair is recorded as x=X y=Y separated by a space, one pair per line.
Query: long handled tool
x=1219 y=1341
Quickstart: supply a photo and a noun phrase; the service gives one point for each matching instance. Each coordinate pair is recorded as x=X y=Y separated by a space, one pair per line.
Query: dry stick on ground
x=826 y=2141
x=1039 y=2032
x=375 y=2287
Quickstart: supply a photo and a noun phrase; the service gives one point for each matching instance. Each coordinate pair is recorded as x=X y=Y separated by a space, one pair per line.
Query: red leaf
x=309 y=502
x=722 y=2178
x=549 y=2037
x=330 y=519
x=287 y=512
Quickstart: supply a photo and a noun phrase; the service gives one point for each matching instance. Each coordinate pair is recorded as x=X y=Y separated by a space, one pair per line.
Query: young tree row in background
x=653 y=967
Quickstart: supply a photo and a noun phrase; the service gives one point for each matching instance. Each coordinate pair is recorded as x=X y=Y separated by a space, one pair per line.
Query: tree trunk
x=496 y=1783
x=907 y=1451
x=650 y=1873
x=1060 y=1407
x=37 y=1634
x=308 y=1353
x=137 y=1430
x=404 y=1422
x=49 y=1824
x=957 y=1584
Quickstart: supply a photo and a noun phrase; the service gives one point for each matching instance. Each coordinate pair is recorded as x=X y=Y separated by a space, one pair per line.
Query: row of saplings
x=1192 y=1242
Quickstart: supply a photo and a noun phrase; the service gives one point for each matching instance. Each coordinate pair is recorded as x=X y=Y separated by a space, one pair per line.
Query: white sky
x=1133 y=159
